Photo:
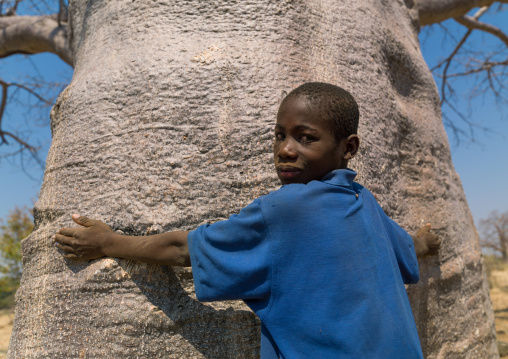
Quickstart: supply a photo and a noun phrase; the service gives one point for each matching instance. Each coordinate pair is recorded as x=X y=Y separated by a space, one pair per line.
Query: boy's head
x=315 y=132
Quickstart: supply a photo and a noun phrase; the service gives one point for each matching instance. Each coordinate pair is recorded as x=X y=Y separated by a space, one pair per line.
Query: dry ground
x=498 y=280
x=6 y=318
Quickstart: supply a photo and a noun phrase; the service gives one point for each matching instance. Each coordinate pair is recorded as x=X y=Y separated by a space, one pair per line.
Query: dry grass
x=497 y=272
x=6 y=318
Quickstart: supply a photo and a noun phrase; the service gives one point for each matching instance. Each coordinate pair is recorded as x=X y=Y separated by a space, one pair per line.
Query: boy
x=317 y=260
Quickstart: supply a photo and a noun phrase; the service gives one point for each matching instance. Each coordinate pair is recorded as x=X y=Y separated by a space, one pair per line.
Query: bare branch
x=15 y=7
x=29 y=35
x=486 y=244
x=24 y=146
x=12 y=154
x=12 y=10
x=3 y=104
x=471 y=23
x=448 y=61
x=435 y=11
x=32 y=92
x=477 y=15
x=63 y=13
x=486 y=66
x=454 y=66
x=460 y=133
x=18 y=140
x=34 y=34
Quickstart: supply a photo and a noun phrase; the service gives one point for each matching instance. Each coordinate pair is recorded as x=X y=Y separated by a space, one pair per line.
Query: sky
x=482 y=164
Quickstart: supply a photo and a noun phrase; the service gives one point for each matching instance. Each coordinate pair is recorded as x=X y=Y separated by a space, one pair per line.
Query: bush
x=19 y=224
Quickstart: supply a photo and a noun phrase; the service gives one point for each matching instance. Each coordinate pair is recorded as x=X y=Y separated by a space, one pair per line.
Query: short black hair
x=332 y=102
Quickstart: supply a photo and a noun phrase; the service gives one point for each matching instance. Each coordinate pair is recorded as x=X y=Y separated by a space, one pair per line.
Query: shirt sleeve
x=231 y=259
x=405 y=253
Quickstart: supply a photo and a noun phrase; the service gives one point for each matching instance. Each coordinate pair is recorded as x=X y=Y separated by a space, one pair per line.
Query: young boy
x=317 y=260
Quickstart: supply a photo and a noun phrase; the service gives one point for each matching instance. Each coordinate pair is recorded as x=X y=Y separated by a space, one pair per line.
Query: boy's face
x=304 y=147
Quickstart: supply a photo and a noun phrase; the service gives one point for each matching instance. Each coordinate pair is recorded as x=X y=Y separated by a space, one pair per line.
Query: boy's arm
x=424 y=241
x=98 y=240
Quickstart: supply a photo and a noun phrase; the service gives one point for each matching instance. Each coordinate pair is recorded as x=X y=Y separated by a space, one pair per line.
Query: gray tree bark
x=167 y=124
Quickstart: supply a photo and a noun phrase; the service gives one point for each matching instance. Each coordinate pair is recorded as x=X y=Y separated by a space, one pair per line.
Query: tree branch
x=34 y=34
x=471 y=23
x=5 y=86
x=448 y=60
x=491 y=246
x=488 y=71
x=24 y=146
x=3 y=134
x=19 y=140
x=63 y=13
x=435 y=11
x=477 y=15
x=32 y=92
x=486 y=66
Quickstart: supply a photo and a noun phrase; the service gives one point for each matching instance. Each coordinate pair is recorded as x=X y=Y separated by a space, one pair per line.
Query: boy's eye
x=307 y=138
x=279 y=136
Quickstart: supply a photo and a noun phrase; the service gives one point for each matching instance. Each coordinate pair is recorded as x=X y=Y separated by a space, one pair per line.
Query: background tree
x=19 y=225
x=167 y=124
x=494 y=233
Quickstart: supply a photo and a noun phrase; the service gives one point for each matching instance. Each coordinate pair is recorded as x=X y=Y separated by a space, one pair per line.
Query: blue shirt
x=321 y=265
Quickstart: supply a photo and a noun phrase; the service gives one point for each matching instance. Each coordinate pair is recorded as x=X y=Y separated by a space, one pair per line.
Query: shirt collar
x=340 y=177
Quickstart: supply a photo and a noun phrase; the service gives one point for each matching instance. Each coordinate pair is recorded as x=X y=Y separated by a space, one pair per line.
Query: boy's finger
x=82 y=220
x=69 y=232
x=431 y=237
x=64 y=248
x=435 y=243
x=423 y=231
x=63 y=239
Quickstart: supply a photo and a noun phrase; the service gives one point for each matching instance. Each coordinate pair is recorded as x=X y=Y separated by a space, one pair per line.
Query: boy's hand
x=84 y=243
x=424 y=241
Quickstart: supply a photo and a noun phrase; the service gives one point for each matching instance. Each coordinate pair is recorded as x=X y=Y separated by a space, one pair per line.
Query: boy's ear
x=352 y=145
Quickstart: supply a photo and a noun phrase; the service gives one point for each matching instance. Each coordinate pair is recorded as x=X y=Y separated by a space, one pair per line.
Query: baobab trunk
x=167 y=124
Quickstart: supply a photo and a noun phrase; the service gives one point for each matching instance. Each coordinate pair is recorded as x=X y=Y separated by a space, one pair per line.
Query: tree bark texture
x=167 y=124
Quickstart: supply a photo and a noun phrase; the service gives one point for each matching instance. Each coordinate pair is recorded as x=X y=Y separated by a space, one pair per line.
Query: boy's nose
x=287 y=150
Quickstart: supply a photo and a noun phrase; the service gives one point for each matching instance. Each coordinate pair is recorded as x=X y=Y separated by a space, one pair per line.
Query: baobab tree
x=167 y=125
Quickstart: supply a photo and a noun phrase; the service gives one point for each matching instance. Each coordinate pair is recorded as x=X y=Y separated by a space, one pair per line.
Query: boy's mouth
x=288 y=172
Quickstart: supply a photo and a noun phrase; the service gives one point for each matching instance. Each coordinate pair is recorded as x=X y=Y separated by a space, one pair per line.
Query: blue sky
x=482 y=164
